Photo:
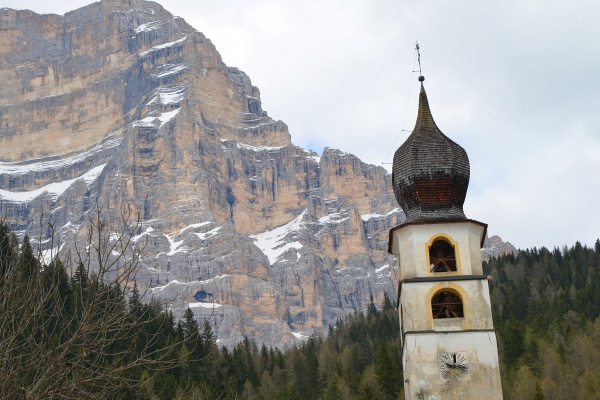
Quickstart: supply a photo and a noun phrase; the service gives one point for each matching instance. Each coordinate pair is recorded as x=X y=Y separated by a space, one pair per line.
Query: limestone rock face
x=122 y=104
x=494 y=246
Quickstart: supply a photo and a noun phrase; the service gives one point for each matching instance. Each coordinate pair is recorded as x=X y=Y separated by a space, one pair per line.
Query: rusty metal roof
x=430 y=173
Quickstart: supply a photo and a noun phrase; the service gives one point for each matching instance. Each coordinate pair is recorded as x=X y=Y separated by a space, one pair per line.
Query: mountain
x=494 y=247
x=121 y=104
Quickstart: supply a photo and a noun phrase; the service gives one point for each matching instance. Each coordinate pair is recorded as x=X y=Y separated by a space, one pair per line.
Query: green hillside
x=546 y=306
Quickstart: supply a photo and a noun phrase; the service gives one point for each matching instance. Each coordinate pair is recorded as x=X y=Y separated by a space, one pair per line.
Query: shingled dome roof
x=430 y=172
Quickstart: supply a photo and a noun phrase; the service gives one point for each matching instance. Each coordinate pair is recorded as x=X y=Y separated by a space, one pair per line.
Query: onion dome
x=430 y=172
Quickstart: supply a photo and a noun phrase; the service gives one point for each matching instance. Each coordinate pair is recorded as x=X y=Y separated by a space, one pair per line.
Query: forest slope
x=82 y=336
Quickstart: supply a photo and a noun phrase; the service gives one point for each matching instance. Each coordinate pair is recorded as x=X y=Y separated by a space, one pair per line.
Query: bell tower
x=449 y=346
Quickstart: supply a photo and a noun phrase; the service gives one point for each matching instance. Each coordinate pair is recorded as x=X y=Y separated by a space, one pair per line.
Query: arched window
x=446 y=304
x=442 y=257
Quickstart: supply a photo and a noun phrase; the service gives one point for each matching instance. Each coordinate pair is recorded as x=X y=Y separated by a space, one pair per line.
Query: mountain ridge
x=122 y=105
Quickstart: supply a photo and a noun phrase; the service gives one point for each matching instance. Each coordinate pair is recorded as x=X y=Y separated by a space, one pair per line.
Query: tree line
x=546 y=305
x=82 y=329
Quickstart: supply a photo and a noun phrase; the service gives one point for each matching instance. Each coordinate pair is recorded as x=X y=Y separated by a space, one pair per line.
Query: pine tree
x=207 y=333
x=388 y=370
x=8 y=249
x=80 y=277
x=265 y=364
x=29 y=264
x=135 y=303
x=371 y=309
x=387 y=304
x=191 y=330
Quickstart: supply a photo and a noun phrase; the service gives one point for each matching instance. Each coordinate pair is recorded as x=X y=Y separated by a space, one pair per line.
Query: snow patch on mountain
x=49 y=254
x=273 y=242
x=176 y=282
x=54 y=189
x=168 y=96
x=366 y=217
x=204 y=305
x=146 y=232
x=14 y=168
x=163 y=46
x=148 y=26
x=335 y=218
x=169 y=69
x=206 y=235
x=162 y=119
x=380 y=269
x=175 y=246
x=300 y=335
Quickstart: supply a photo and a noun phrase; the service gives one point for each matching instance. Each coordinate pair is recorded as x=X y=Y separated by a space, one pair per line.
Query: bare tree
x=87 y=335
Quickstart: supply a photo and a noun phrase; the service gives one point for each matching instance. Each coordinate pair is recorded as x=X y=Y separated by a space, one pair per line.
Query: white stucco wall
x=415 y=301
x=423 y=377
x=427 y=338
x=409 y=244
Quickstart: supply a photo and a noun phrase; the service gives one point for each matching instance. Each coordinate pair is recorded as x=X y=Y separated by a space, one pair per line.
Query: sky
x=516 y=83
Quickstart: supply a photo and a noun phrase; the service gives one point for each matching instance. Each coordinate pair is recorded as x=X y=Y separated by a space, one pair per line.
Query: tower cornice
x=456 y=221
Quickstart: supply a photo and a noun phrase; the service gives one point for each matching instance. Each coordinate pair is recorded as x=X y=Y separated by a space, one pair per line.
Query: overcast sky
x=516 y=83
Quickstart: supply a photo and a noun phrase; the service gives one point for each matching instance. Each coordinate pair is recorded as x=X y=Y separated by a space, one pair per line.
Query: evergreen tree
x=63 y=338
x=388 y=370
x=80 y=278
x=134 y=300
x=265 y=361
x=371 y=309
x=387 y=304
x=8 y=249
x=29 y=265
x=207 y=333
x=190 y=327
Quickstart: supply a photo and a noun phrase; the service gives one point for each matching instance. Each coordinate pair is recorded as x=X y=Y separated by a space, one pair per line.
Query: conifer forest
x=68 y=330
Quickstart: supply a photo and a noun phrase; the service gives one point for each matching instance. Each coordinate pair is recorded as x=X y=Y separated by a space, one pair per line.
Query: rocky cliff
x=121 y=103
x=495 y=247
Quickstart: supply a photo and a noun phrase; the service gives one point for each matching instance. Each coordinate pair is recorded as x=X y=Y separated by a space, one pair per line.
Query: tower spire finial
x=418 y=48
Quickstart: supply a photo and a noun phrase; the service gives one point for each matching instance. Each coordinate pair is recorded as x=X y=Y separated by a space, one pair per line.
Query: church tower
x=448 y=340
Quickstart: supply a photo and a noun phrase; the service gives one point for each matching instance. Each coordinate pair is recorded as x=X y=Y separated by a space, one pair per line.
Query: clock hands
x=457 y=366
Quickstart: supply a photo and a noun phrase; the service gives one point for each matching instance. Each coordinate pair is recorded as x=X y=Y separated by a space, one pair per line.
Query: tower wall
x=426 y=378
x=416 y=312
x=445 y=356
x=410 y=243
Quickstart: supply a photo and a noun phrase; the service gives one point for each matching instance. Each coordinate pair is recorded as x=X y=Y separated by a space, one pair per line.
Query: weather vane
x=417 y=48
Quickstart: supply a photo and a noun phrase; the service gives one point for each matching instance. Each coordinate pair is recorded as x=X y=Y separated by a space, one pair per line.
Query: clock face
x=453 y=366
